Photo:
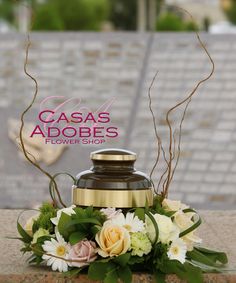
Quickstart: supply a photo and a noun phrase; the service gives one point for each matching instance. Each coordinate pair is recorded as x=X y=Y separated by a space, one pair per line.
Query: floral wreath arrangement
x=109 y=243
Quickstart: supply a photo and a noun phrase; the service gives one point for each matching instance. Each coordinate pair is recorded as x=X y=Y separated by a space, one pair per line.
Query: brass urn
x=112 y=182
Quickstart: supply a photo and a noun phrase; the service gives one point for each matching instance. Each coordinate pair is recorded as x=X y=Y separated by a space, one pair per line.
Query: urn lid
x=113 y=154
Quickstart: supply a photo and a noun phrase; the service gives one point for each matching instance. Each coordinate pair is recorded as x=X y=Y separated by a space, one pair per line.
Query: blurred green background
x=109 y=15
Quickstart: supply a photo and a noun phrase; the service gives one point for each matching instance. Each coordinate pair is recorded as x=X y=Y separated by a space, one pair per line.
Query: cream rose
x=168 y=231
x=183 y=221
x=173 y=205
x=29 y=224
x=113 y=240
x=111 y=212
x=67 y=210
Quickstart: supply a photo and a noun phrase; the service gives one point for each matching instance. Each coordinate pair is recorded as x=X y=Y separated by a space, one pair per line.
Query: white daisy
x=177 y=250
x=56 y=252
x=67 y=210
x=131 y=222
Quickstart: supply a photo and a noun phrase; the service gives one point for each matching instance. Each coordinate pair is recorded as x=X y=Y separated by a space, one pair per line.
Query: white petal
x=60 y=239
x=55 y=265
x=45 y=257
x=64 y=266
x=50 y=261
x=60 y=266
x=54 y=242
x=49 y=248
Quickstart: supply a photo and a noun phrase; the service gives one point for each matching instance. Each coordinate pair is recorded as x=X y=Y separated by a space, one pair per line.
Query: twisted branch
x=25 y=152
x=188 y=100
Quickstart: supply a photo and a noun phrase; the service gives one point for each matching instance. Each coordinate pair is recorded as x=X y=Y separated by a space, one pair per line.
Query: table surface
x=218 y=231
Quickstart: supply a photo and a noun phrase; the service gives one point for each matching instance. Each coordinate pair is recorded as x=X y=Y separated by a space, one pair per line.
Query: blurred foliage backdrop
x=94 y=15
x=230 y=10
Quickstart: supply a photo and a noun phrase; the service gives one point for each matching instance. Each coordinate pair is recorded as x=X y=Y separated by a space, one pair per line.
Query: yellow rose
x=113 y=240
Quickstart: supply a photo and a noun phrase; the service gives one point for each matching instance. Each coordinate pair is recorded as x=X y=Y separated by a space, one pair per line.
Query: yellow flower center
x=175 y=250
x=127 y=227
x=61 y=250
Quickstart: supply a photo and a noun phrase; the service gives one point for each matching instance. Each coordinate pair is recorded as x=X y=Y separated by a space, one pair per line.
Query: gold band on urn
x=112 y=198
x=111 y=157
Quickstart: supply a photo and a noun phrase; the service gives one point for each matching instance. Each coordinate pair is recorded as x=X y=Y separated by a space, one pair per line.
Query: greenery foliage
x=47 y=18
x=59 y=15
x=231 y=12
x=172 y=22
x=71 y=15
x=47 y=211
x=6 y=11
x=124 y=14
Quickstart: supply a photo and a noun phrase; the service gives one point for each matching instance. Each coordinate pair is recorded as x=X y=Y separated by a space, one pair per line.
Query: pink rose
x=82 y=253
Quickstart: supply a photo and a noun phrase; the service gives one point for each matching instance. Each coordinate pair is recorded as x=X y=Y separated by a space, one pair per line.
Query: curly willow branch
x=164 y=173
x=159 y=142
x=156 y=133
x=188 y=100
x=25 y=152
x=179 y=140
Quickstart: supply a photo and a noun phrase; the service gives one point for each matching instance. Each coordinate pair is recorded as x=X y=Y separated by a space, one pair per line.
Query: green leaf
x=207 y=268
x=15 y=238
x=63 y=229
x=140 y=212
x=111 y=276
x=125 y=274
x=26 y=248
x=35 y=260
x=135 y=259
x=99 y=270
x=107 y=259
x=76 y=237
x=42 y=239
x=194 y=273
x=89 y=210
x=122 y=260
x=187 y=271
x=81 y=221
x=159 y=277
x=214 y=255
x=170 y=213
x=95 y=229
x=73 y=272
x=25 y=236
x=206 y=258
x=37 y=249
x=174 y=266
x=193 y=227
x=155 y=226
